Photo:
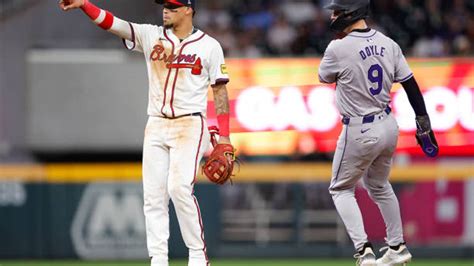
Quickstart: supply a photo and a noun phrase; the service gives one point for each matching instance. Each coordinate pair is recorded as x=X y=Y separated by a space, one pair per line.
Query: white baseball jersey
x=179 y=72
x=365 y=65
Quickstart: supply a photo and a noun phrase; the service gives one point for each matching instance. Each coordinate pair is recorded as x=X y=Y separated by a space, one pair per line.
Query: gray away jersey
x=364 y=66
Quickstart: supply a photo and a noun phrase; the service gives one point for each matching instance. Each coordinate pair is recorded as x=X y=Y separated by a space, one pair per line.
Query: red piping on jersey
x=197 y=154
x=168 y=76
x=133 y=38
x=177 y=69
x=204 y=249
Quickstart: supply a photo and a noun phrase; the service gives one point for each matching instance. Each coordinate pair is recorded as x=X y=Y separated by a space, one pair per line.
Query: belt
x=365 y=119
x=180 y=116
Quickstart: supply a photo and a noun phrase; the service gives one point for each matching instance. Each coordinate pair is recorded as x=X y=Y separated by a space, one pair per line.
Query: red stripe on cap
x=175 y=2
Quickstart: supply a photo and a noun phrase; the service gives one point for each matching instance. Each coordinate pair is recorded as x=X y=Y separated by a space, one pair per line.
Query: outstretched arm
x=102 y=18
x=221 y=104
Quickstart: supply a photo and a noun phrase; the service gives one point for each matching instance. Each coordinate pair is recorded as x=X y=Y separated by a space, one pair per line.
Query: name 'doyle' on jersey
x=371 y=50
x=190 y=61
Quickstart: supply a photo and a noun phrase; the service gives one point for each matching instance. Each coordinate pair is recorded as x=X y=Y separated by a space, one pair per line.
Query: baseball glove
x=220 y=164
x=425 y=136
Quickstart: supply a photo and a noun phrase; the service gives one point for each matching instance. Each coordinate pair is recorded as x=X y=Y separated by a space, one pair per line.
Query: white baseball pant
x=172 y=150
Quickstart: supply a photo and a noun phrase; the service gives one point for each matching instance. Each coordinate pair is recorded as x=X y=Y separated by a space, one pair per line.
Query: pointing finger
x=70 y=6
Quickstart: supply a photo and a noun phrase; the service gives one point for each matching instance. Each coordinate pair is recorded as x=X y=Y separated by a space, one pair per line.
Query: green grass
x=236 y=262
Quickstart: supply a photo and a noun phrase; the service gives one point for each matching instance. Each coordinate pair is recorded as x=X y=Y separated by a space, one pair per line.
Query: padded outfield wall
x=94 y=211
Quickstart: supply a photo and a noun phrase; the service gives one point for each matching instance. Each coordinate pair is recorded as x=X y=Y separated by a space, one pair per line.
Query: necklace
x=189 y=34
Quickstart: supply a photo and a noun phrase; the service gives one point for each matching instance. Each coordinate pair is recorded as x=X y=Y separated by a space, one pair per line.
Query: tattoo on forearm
x=221 y=100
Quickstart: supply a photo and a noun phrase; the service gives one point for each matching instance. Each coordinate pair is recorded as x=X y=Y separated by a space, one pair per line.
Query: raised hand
x=67 y=5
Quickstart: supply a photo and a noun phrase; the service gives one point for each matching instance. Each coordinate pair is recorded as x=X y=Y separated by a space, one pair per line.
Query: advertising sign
x=279 y=106
x=109 y=222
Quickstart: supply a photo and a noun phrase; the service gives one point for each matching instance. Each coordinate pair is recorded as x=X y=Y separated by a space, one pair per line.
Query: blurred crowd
x=255 y=28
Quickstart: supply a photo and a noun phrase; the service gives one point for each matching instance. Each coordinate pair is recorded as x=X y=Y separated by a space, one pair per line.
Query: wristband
x=223 y=123
x=102 y=18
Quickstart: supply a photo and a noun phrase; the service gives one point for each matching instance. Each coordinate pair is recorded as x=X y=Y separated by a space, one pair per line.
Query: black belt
x=366 y=119
x=179 y=116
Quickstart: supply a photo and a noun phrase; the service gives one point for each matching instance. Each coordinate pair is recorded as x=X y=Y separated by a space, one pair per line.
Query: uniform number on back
x=375 y=75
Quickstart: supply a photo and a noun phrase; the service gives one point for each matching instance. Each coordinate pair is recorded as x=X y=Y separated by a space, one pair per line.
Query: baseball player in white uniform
x=364 y=64
x=182 y=62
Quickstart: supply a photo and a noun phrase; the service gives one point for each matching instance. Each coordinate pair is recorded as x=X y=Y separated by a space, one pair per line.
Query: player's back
x=365 y=64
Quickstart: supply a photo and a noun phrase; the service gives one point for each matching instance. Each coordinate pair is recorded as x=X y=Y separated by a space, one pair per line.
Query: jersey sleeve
x=217 y=67
x=402 y=70
x=328 y=68
x=139 y=38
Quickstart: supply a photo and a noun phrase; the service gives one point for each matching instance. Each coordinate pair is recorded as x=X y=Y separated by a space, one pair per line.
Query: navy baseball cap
x=190 y=3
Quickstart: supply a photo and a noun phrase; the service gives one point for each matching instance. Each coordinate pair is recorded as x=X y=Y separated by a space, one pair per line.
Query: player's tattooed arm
x=221 y=99
x=221 y=104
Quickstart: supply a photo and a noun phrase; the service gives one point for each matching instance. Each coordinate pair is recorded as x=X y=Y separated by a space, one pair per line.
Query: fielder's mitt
x=425 y=136
x=218 y=168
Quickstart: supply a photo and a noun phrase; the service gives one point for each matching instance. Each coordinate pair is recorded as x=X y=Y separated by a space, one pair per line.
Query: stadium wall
x=94 y=211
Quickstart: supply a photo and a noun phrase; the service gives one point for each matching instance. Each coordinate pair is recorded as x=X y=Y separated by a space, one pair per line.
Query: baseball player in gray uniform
x=364 y=64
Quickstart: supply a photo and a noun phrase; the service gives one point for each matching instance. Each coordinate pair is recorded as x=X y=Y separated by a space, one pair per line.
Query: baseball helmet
x=190 y=3
x=352 y=11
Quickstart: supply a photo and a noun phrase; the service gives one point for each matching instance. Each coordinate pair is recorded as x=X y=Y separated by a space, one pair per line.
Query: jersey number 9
x=375 y=75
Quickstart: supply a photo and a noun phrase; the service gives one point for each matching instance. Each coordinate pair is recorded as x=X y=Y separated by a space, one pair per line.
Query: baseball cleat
x=392 y=257
x=366 y=256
